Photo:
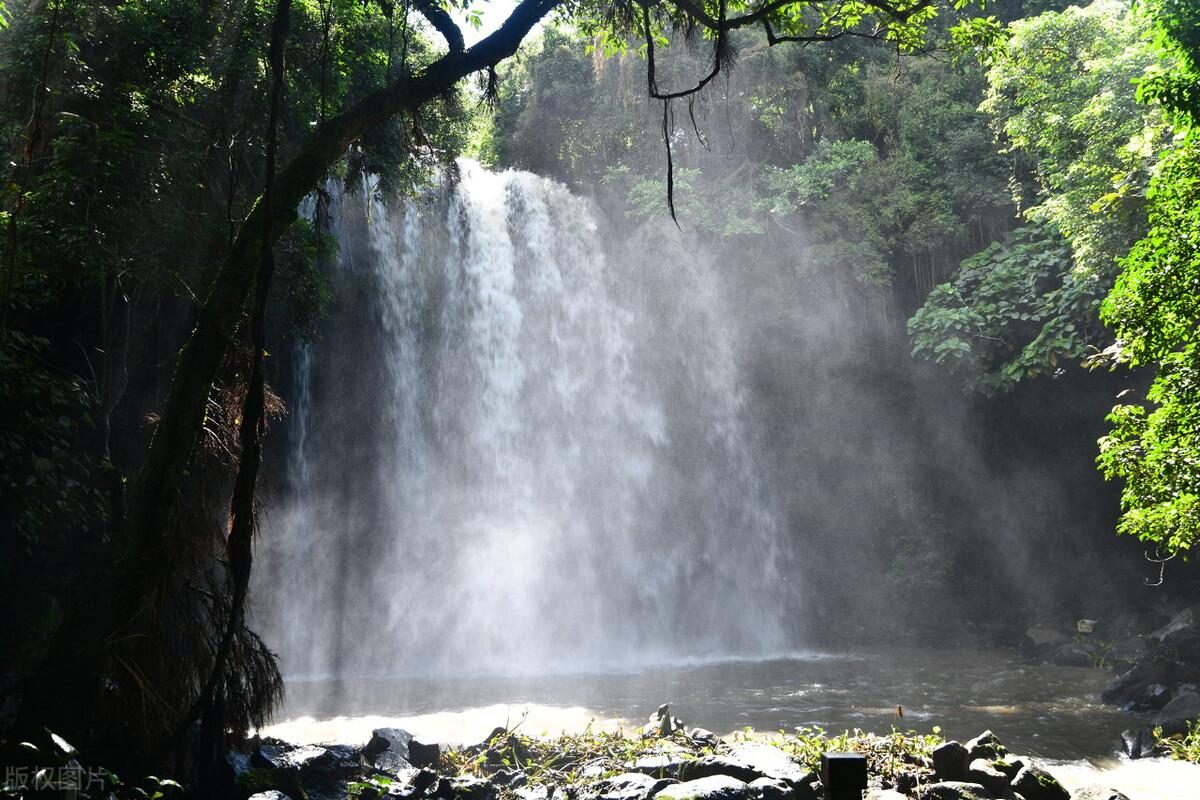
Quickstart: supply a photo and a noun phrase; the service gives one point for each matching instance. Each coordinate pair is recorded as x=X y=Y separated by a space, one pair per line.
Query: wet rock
x=714 y=787
x=1097 y=793
x=1137 y=622
x=661 y=765
x=383 y=739
x=626 y=786
x=703 y=737
x=280 y=755
x=987 y=746
x=768 y=789
x=1039 y=639
x=950 y=761
x=1131 y=650
x=982 y=772
x=423 y=755
x=535 y=792
x=1138 y=743
x=1187 y=617
x=390 y=762
x=749 y=761
x=1010 y=766
x=953 y=790
x=510 y=778
x=1034 y=783
x=885 y=794
x=661 y=723
x=465 y=788
x=1175 y=715
x=1074 y=654
x=1138 y=688
x=272 y=794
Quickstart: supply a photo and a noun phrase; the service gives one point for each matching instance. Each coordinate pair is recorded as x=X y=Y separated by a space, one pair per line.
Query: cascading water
x=508 y=457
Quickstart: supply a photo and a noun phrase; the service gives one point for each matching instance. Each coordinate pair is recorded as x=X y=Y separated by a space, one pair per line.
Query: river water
x=1052 y=713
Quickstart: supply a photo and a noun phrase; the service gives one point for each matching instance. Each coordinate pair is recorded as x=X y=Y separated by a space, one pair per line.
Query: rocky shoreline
x=1155 y=660
x=665 y=761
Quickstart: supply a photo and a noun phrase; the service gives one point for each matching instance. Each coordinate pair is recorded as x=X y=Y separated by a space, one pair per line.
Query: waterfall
x=514 y=452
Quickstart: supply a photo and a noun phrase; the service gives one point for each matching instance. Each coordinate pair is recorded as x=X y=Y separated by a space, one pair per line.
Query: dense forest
x=964 y=236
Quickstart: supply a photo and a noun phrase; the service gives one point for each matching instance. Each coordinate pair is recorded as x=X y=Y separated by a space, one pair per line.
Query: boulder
x=1039 y=639
x=1175 y=715
x=382 y=739
x=538 y=791
x=885 y=794
x=1131 y=650
x=982 y=771
x=661 y=765
x=953 y=790
x=272 y=794
x=1137 y=623
x=749 y=761
x=465 y=788
x=1189 y=616
x=703 y=737
x=661 y=723
x=950 y=761
x=1183 y=644
x=1074 y=654
x=714 y=787
x=986 y=745
x=280 y=755
x=1138 y=689
x=1138 y=743
x=769 y=789
x=626 y=786
x=423 y=755
x=1010 y=766
x=1034 y=783
x=1097 y=793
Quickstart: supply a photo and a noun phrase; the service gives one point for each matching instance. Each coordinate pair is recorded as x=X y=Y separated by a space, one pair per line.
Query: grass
x=1182 y=746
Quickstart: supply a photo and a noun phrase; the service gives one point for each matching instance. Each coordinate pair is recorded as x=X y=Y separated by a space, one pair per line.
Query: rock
x=390 y=762
x=953 y=790
x=423 y=755
x=1138 y=743
x=1074 y=654
x=626 y=786
x=982 y=772
x=749 y=761
x=1086 y=626
x=885 y=794
x=1034 y=783
x=1136 y=689
x=288 y=756
x=1131 y=650
x=768 y=789
x=535 y=792
x=1183 y=644
x=1097 y=793
x=464 y=788
x=986 y=746
x=510 y=778
x=1175 y=715
x=382 y=739
x=1010 y=766
x=714 y=787
x=703 y=737
x=272 y=794
x=1189 y=616
x=661 y=723
x=661 y=765
x=950 y=761
x=1137 y=623
x=1039 y=639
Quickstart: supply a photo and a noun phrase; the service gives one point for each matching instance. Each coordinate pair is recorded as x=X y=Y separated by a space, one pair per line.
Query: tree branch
x=442 y=22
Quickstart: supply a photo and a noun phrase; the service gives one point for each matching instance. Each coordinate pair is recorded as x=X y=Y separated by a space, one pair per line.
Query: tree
x=161 y=107
x=1154 y=310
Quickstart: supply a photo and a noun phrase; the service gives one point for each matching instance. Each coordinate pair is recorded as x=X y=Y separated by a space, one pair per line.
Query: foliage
x=1182 y=746
x=1011 y=312
x=1062 y=97
x=1154 y=310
